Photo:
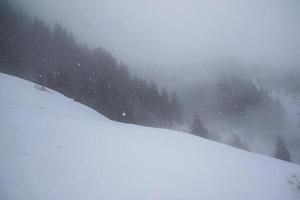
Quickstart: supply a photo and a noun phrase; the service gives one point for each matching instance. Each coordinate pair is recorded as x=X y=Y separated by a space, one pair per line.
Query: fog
x=198 y=47
x=172 y=33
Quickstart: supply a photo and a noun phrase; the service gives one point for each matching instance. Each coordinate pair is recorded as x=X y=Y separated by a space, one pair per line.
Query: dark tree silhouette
x=198 y=128
x=236 y=141
x=175 y=107
x=281 y=150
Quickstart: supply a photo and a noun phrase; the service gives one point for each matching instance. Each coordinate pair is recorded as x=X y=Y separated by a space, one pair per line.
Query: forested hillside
x=50 y=56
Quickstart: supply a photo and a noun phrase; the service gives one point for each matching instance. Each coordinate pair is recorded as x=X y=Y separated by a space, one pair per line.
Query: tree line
x=197 y=128
x=50 y=56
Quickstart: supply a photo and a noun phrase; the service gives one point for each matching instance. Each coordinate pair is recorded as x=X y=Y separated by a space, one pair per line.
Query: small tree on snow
x=238 y=143
x=281 y=151
x=198 y=128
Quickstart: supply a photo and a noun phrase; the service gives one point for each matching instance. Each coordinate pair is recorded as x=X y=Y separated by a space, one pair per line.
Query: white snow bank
x=54 y=148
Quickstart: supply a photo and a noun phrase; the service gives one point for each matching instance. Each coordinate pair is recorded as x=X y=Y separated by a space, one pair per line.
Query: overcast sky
x=176 y=33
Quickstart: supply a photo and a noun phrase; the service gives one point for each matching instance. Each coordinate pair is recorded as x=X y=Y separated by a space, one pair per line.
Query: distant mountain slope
x=54 y=148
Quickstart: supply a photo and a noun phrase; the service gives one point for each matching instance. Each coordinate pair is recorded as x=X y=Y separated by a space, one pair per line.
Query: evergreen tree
x=198 y=128
x=237 y=142
x=281 y=151
x=176 y=110
x=165 y=110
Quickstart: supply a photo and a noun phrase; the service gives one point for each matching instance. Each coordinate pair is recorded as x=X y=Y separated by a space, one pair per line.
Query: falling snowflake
x=124 y=114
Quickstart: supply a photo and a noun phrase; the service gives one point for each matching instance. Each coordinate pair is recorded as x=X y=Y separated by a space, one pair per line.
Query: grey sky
x=174 y=33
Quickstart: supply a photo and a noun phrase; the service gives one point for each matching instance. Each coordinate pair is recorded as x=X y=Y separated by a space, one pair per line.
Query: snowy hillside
x=54 y=148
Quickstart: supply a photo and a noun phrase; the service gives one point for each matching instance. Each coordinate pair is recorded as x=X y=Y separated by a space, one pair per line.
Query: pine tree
x=281 y=151
x=198 y=128
x=176 y=110
x=238 y=143
x=165 y=110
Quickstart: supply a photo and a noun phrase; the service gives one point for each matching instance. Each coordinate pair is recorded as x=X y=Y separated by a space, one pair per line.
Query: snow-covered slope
x=54 y=148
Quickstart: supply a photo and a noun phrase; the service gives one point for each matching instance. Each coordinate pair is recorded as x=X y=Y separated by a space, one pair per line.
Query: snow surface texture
x=54 y=148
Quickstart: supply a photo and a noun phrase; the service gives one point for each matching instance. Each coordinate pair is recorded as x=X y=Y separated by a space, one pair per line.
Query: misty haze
x=150 y=99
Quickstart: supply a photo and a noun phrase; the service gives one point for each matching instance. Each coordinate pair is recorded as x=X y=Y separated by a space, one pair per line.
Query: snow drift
x=54 y=148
